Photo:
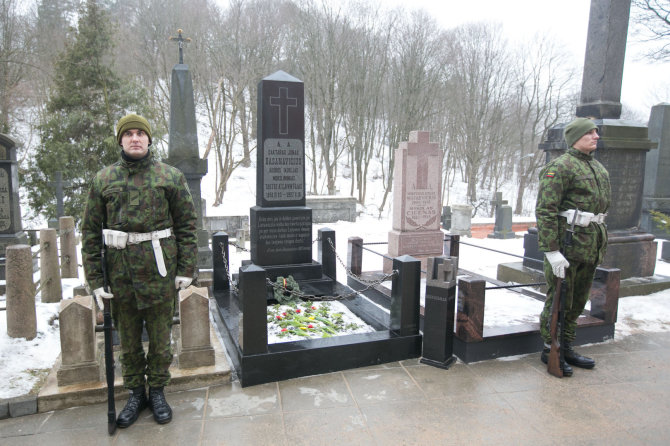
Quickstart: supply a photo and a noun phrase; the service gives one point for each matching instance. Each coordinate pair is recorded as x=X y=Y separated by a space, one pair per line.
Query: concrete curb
x=18 y=406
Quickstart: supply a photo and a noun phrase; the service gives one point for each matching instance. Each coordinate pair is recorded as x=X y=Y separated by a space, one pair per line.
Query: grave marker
x=656 y=192
x=281 y=225
x=11 y=230
x=417 y=186
x=183 y=151
x=503 y=218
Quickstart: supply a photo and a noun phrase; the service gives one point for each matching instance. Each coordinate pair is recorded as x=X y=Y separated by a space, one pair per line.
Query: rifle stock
x=554 y=362
x=109 y=352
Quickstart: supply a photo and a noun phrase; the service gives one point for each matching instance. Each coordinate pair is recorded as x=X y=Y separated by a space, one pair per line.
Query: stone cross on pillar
x=183 y=150
x=58 y=183
x=180 y=41
x=498 y=201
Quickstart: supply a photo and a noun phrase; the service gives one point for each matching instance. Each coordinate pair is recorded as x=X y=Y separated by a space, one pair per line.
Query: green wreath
x=285 y=290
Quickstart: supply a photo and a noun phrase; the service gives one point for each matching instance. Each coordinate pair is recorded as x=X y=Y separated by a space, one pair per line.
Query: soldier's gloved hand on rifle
x=99 y=294
x=181 y=282
x=558 y=263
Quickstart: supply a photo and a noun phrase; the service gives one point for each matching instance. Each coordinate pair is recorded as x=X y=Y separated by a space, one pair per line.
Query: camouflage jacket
x=142 y=196
x=574 y=180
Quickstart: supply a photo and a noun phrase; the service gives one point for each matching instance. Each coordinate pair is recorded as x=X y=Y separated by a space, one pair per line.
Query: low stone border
x=18 y=406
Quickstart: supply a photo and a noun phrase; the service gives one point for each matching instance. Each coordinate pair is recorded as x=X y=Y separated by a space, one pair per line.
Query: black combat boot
x=136 y=404
x=567 y=370
x=158 y=405
x=574 y=358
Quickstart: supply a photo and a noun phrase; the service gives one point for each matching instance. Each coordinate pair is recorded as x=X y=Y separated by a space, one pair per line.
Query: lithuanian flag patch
x=550 y=175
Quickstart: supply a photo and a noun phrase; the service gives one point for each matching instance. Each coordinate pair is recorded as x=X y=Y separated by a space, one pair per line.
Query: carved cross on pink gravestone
x=417 y=202
x=417 y=184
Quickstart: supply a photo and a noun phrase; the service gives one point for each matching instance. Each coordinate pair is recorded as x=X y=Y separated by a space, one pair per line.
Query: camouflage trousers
x=578 y=278
x=129 y=322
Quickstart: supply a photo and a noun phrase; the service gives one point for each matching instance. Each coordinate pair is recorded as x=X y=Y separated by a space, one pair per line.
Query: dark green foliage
x=77 y=128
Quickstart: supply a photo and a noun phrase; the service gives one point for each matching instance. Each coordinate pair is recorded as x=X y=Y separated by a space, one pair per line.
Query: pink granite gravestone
x=417 y=201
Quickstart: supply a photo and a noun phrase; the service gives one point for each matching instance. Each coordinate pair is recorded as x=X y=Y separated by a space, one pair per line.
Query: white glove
x=558 y=263
x=181 y=282
x=100 y=294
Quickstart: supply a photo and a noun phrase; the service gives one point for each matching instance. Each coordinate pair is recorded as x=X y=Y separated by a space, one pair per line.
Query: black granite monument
x=281 y=224
x=11 y=229
x=656 y=194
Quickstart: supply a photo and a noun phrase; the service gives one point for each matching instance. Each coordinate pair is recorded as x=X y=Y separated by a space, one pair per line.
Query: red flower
x=284 y=329
x=279 y=317
x=310 y=326
x=313 y=308
x=298 y=310
x=284 y=313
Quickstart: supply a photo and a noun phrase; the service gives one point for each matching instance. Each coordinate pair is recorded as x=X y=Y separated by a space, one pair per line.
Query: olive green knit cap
x=576 y=129
x=132 y=121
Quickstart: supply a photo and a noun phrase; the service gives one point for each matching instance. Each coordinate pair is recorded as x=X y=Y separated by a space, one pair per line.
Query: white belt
x=583 y=218
x=117 y=239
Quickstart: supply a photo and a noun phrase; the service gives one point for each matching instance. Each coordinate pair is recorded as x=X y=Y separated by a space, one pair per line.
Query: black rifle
x=109 y=352
x=557 y=354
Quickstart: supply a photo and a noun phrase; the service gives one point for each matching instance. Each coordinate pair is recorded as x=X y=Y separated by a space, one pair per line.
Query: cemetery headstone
x=656 y=193
x=461 y=220
x=446 y=217
x=11 y=230
x=503 y=218
x=417 y=186
x=281 y=224
x=194 y=346
x=183 y=151
x=78 y=343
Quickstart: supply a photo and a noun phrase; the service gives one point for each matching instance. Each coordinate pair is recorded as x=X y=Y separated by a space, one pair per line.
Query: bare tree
x=323 y=33
x=652 y=18
x=362 y=95
x=478 y=84
x=411 y=92
x=543 y=85
x=15 y=64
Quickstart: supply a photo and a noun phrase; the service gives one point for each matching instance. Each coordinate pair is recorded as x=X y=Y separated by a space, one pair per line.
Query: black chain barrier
x=310 y=297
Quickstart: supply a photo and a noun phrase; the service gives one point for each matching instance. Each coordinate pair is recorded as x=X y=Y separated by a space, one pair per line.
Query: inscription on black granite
x=284 y=233
x=5 y=202
x=281 y=235
x=283 y=169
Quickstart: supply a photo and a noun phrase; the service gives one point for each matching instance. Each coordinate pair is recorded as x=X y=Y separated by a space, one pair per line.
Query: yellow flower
x=303 y=328
x=311 y=318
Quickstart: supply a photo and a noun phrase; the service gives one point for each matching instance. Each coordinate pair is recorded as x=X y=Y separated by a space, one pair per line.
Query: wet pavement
x=624 y=400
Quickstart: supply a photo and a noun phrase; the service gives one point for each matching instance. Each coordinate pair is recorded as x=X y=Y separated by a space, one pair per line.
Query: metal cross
x=181 y=41
x=59 y=183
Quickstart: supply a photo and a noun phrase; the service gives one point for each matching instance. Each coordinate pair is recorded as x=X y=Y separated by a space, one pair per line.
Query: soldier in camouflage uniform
x=574 y=181
x=142 y=210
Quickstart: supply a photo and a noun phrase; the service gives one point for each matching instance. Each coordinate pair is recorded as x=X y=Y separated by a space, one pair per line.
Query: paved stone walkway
x=625 y=400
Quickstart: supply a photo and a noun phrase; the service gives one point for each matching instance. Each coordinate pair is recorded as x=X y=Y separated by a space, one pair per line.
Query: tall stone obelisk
x=623 y=145
x=183 y=151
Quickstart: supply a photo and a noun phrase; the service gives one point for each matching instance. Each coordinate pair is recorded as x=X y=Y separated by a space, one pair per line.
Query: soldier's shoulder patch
x=550 y=174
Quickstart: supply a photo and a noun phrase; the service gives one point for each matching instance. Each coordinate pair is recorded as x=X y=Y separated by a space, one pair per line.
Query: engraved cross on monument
x=183 y=152
x=281 y=225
